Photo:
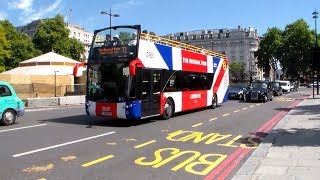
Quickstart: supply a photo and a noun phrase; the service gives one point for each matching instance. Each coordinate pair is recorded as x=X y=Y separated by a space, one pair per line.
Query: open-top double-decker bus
x=133 y=75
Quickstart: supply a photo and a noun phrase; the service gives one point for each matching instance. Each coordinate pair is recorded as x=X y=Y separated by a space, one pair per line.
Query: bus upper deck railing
x=185 y=46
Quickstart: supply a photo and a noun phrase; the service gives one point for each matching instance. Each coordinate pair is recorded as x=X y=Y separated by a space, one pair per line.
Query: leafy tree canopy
x=21 y=46
x=236 y=71
x=266 y=54
x=52 y=35
x=4 y=48
x=294 y=53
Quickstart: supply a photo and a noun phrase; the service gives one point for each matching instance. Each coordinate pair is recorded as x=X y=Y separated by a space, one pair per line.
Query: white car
x=286 y=86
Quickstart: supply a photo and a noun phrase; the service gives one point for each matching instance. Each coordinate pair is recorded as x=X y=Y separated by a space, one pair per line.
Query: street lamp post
x=110 y=15
x=55 y=83
x=315 y=16
x=250 y=71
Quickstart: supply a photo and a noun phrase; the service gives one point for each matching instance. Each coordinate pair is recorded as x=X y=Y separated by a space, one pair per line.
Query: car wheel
x=168 y=109
x=8 y=117
x=214 y=102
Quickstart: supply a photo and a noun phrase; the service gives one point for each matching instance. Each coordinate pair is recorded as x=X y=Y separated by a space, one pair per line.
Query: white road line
x=63 y=144
x=26 y=127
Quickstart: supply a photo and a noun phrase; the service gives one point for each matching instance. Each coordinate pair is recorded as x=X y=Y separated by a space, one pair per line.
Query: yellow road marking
x=244 y=108
x=97 y=161
x=226 y=114
x=212 y=119
x=144 y=144
x=251 y=106
x=236 y=111
x=199 y=124
x=42 y=179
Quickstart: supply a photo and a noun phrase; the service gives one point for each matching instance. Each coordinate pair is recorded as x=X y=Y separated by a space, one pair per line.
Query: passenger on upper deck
x=107 y=41
x=116 y=40
x=133 y=41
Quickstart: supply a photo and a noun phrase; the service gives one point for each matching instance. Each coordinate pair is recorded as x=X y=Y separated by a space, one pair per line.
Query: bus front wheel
x=168 y=109
x=214 y=101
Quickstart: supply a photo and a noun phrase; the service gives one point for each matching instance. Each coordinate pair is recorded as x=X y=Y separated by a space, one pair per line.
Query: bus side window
x=171 y=85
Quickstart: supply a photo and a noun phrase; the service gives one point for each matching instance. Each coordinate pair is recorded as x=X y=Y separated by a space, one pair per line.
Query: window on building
x=181 y=34
x=227 y=35
x=194 y=37
x=178 y=38
x=186 y=38
x=210 y=36
x=201 y=36
x=170 y=37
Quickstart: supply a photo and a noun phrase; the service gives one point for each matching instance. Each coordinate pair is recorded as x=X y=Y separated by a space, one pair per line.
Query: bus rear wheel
x=168 y=109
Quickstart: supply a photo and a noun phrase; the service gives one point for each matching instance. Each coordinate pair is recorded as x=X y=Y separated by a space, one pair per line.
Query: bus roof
x=185 y=46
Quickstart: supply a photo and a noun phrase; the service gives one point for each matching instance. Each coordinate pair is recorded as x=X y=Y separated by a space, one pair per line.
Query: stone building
x=239 y=45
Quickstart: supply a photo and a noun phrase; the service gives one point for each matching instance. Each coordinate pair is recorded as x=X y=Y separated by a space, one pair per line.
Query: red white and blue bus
x=133 y=75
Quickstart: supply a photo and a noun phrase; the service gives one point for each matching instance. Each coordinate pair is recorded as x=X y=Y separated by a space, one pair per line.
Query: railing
x=185 y=46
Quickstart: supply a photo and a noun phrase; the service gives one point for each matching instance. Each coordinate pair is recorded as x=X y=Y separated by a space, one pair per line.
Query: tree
x=52 y=35
x=237 y=71
x=266 y=54
x=4 y=48
x=294 y=53
x=21 y=46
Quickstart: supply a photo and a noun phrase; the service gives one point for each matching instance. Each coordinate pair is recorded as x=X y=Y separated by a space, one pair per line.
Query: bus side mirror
x=76 y=67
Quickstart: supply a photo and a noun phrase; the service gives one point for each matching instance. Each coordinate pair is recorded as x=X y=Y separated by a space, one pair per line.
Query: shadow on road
x=85 y=120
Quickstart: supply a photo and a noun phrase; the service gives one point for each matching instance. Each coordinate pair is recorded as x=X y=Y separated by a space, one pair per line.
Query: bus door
x=150 y=99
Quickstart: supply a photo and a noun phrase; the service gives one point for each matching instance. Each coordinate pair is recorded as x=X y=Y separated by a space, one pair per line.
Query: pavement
x=291 y=150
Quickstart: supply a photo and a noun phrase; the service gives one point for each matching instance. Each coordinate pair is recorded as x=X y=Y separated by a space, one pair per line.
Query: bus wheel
x=168 y=109
x=214 y=102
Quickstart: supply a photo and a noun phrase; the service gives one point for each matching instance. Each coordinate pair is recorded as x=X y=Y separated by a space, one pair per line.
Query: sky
x=165 y=16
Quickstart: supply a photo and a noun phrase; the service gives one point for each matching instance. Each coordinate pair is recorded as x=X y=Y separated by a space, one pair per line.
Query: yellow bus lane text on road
x=195 y=162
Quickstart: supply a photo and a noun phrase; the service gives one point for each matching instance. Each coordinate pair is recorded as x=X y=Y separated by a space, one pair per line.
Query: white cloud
x=30 y=15
x=129 y=4
x=3 y=15
x=25 y=5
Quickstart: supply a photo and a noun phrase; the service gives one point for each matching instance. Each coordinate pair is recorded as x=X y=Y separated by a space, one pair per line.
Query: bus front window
x=105 y=82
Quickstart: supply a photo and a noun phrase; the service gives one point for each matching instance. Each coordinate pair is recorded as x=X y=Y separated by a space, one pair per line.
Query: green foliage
x=52 y=35
x=266 y=54
x=291 y=47
x=4 y=48
x=21 y=46
x=237 y=71
x=294 y=53
x=124 y=35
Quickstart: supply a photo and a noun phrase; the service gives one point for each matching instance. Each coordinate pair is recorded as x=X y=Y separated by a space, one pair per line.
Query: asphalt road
x=60 y=143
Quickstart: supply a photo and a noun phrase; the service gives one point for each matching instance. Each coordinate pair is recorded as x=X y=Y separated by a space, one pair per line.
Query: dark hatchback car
x=235 y=91
x=277 y=89
x=259 y=91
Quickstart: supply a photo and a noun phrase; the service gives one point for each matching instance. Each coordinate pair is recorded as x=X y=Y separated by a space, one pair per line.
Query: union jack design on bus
x=161 y=77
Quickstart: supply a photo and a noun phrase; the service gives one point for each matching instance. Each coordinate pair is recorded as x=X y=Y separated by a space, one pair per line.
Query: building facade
x=76 y=31
x=239 y=45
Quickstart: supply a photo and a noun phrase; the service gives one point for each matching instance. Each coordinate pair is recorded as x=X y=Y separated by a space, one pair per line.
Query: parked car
x=313 y=84
x=277 y=89
x=259 y=91
x=235 y=91
x=285 y=86
x=11 y=106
